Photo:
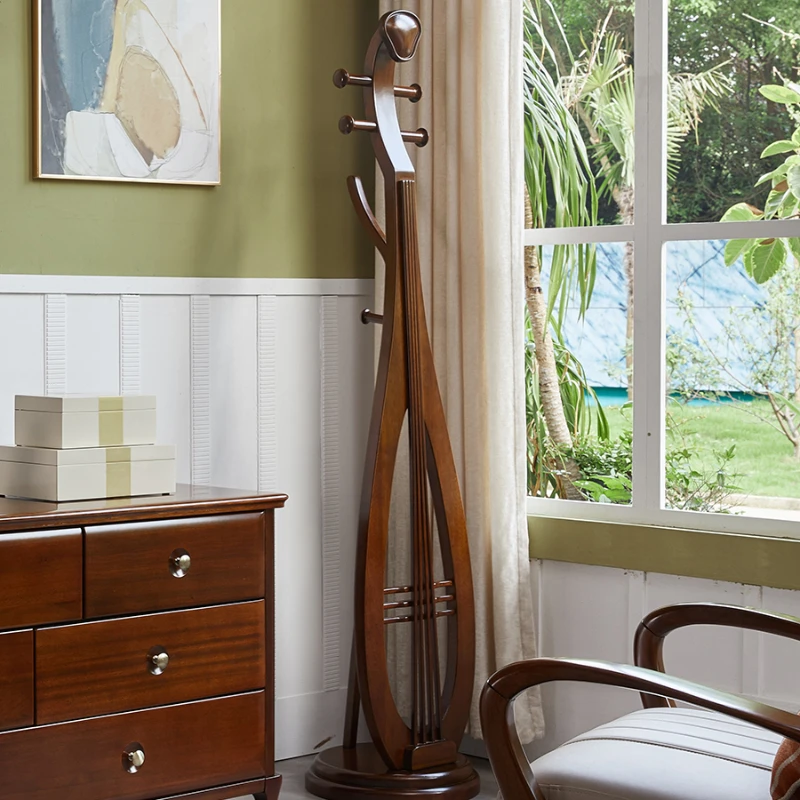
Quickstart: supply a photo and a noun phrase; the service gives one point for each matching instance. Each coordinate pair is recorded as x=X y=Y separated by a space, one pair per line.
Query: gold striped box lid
x=87 y=455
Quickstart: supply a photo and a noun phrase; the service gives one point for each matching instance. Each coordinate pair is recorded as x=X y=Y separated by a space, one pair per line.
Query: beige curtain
x=471 y=217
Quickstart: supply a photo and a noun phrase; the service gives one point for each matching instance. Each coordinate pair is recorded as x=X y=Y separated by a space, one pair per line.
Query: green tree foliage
x=721 y=163
x=764 y=259
x=776 y=262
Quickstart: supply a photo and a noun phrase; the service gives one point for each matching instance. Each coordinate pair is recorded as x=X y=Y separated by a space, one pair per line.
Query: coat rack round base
x=344 y=773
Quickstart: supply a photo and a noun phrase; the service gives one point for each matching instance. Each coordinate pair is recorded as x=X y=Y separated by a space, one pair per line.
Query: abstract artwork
x=128 y=90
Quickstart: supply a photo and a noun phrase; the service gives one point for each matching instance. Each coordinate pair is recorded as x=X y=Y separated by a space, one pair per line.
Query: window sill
x=731 y=557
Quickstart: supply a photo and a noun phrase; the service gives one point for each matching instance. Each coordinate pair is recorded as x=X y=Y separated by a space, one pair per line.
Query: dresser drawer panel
x=40 y=578
x=174 y=564
x=16 y=680
x=184 y=748
x=98 y=668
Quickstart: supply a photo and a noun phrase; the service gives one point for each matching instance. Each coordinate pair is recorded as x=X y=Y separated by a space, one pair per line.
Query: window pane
x=733 y=374
x=579 y=417
x=723 y=56
x=579 y=99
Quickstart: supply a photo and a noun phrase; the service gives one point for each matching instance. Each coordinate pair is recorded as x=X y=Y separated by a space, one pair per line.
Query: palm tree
x=596 y=91
x=558 y=176
x=600 y=90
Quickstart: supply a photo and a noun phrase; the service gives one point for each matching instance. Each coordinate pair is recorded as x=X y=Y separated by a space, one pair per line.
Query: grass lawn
x=763 y=465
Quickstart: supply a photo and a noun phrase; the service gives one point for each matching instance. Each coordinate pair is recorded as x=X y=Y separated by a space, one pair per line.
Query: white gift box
x=69 y=422
x=93 y=473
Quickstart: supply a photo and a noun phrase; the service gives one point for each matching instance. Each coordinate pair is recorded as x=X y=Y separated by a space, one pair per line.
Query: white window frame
x=650 y=234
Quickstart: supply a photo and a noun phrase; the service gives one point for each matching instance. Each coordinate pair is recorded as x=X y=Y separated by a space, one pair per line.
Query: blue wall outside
x=695 y=269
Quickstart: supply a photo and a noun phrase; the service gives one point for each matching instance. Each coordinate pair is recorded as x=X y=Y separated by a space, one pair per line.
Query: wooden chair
x=722 y=750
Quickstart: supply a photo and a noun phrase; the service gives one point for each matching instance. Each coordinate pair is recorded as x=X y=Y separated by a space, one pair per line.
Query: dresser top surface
x=188 y=501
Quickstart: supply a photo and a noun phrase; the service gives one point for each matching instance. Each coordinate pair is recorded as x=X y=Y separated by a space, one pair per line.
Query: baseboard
x=309 y=722
x=474 y=748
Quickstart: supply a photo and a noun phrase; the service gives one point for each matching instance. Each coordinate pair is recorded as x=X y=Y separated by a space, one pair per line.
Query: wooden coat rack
x=418 y=756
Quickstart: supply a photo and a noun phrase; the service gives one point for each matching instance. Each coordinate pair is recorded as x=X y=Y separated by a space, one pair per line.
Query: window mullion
x=649 y=282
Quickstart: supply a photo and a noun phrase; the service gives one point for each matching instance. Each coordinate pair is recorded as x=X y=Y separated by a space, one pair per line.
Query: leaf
x=790 y=404
x=789 y=206
x=774 y=202
x=780 y=172
x=776 y=148
x=767 y=259
x=741 y=212
x=796 y=137
x=780 y=94
x=794 y=246
x=793 y=177
x=735 y=249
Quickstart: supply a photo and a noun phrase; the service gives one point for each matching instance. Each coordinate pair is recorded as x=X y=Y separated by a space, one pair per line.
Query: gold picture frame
x=128 y=93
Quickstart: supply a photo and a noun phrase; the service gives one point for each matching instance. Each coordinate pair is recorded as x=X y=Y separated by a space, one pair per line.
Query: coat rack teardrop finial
x=402 y=31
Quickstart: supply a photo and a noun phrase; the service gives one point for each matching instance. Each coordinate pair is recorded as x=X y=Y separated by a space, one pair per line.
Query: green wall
x=282 y=209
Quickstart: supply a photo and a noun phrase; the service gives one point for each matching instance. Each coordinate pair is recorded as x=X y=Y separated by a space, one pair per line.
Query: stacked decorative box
x=85 y=448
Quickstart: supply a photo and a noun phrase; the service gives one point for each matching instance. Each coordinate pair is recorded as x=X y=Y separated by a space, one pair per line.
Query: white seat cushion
x=662 y=754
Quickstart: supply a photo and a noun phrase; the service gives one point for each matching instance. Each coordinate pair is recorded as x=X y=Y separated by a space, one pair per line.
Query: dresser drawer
x=40 y=578
x=97 y=668
x=174 y=564
x=16 y=680
x=185 y=748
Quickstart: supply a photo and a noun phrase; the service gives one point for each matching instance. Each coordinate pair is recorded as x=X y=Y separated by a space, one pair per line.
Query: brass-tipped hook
x=348 y=125
x=342 y=78
x=371 y=318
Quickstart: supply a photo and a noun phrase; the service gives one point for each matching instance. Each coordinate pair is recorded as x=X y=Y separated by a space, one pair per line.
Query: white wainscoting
x=246 y=390
x=267 y=385
x=592 y=612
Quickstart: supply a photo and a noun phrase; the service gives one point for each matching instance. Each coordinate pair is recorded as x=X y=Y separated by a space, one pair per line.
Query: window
x=663 y=254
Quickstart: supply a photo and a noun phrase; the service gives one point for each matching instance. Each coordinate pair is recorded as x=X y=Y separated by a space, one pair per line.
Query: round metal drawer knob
x=133 y=757
x=157 y=660
x=180 y=562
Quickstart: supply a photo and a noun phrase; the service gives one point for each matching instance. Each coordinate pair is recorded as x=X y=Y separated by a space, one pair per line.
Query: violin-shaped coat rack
x=416 y=755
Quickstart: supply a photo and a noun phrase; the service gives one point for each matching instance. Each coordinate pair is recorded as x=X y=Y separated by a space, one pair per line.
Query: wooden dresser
x=136 y=648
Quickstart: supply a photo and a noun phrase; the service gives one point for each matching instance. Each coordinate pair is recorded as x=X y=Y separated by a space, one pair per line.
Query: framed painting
x=128 y=90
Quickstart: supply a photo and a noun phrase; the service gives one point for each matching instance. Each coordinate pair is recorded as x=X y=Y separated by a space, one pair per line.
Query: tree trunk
x=625 y=200
x=623 y=196
x=796 y=323
x=797 y=362
x=547 y=374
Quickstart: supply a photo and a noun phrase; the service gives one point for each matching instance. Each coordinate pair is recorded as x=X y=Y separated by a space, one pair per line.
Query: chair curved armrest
x=510 y=765
x=648 y=643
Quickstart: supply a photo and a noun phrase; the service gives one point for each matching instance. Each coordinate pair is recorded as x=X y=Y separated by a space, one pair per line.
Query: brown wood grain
x=406 y=388
x=269 y=639
x=16 y=679
x=188 y=501
x=128 y=571
x=40 y=578
x=272 y=788
x=97 y=668
x=345 y=773
x=648 y=643
x=223 y=792
x=187 y=747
